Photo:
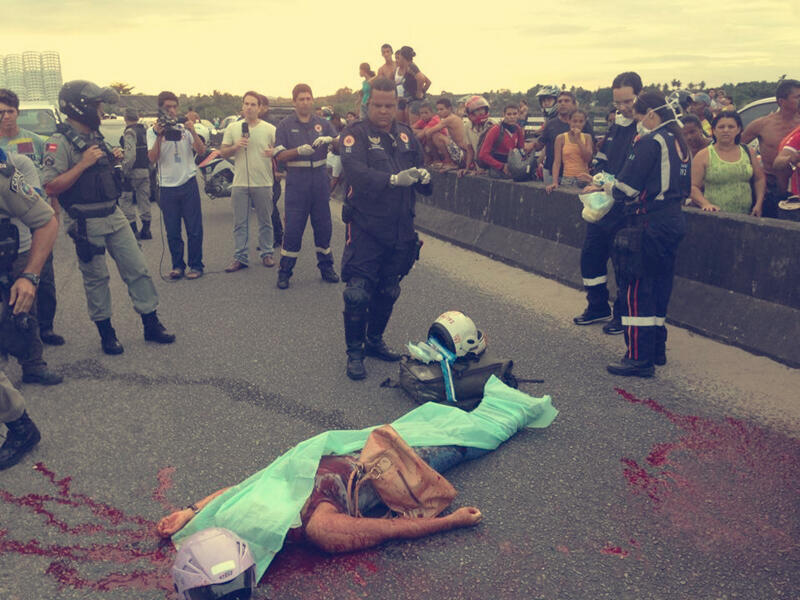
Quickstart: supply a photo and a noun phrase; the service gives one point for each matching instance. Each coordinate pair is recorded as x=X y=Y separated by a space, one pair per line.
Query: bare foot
x=466 y=516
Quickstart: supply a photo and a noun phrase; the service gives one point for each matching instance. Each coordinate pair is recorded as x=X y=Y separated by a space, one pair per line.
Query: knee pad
x=390 y=289
x=357 y=294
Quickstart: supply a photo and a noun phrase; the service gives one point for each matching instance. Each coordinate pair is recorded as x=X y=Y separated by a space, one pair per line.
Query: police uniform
x=31 y=145
x=652 y=185
x=21 y=200
x=94 y=193
x=600 y=236
x=381 y=242
x=136 y=166
x=307 y=190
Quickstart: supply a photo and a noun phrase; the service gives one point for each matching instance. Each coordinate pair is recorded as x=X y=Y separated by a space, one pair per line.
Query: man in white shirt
x=250 y=141
x=173 y=148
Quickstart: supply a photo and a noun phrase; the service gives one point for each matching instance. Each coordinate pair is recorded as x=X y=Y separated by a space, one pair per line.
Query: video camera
x=172 y=133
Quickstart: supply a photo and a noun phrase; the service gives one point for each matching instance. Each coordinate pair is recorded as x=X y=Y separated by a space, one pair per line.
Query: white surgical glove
x=405 y=178
x=323 y=139
x=305 y=150
x=424 y=176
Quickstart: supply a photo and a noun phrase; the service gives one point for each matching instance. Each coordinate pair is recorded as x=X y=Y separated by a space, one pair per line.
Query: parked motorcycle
x=217 y=173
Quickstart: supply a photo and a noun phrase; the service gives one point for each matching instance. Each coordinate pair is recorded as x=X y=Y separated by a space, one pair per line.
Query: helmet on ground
x=474 y=104
x=79 y=99
x=214 y=564
x=548 y=91
x=457 y=332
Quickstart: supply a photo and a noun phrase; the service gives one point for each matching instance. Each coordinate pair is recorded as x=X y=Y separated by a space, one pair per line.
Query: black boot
x=629 y=367
x=355 y=326
x=380 y=310
x=154 y=331
x=328 y=273
x=660 y=355
x=145 y=234
x=108 y=337
x=285 y=271
x=22 y=437
x=135 y=229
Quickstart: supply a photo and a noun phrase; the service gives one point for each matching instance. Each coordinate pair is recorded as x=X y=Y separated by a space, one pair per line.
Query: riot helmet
x=79 y=99
x=548 y=91
x=214 y=564
x=457 y=332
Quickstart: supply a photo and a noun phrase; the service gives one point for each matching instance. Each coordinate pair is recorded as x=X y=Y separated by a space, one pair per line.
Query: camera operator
x=20 y=200
x=79 y=168
x=171 y=145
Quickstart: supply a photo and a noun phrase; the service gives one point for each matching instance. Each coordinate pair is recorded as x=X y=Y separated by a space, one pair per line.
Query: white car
x=39 y=117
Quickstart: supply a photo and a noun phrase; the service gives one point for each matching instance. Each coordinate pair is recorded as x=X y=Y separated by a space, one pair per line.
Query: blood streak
x=727 y=486
x=125 y=539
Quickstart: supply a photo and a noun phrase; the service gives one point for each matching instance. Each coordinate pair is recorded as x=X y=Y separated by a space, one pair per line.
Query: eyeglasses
x=9 y=111
x=621 y=103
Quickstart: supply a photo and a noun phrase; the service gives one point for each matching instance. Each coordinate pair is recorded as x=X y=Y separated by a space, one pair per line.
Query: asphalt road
x=683 y=486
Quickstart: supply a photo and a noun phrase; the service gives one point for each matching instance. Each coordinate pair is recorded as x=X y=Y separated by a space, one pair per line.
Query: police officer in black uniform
x=382 y=162
x=653 y=185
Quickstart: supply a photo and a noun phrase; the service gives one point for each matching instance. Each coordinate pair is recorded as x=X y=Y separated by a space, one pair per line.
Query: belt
x=307 y=163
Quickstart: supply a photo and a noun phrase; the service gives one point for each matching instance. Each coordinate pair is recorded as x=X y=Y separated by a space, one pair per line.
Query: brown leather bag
x=406 y=484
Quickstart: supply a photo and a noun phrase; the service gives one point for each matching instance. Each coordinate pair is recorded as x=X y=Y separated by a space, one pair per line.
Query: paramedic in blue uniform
x=301 y=145
x=611 y=156
x=653 y=185
x=382 y=161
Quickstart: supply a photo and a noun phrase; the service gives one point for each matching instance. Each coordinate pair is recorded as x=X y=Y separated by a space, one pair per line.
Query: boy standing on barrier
x=19 y=199
x=383 y=162
x=79 y=169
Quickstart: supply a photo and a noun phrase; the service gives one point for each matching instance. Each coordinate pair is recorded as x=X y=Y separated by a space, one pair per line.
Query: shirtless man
x=448 y=136
x=387 y=69
x=769 y=131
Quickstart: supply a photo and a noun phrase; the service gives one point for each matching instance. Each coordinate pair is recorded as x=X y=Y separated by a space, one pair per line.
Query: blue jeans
x=183 y=202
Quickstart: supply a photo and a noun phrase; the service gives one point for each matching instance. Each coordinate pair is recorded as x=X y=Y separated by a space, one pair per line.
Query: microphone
x=245 y=129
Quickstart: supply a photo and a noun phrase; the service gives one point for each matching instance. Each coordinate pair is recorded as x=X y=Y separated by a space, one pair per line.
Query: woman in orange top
x=573 y=150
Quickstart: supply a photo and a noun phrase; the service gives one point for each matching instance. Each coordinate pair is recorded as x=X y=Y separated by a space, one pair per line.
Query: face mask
x=642 y=130
x=622 y=120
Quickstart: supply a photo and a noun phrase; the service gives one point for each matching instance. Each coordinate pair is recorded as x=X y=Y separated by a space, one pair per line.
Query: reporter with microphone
x=250 y=141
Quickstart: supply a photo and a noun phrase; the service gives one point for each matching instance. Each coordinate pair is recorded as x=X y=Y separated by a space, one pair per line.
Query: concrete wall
x=737 y=277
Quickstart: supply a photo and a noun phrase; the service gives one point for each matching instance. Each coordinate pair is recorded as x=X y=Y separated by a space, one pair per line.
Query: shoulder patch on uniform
x=318 y=128
x=51 y=147
x=404 y=137
x=349 y=141
x=18 y=185
x=49 y=161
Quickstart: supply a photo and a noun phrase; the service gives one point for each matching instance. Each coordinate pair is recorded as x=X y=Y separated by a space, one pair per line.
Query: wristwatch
x=32 y=277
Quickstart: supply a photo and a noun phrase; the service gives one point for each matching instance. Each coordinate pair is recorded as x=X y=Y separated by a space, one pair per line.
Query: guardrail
x=737 y=277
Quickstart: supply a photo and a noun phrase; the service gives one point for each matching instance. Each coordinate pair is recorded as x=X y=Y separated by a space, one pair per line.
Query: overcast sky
x=196 y=46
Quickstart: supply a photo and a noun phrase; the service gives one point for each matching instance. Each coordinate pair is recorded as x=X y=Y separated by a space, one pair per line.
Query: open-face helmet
x=457 y=332
x=214 y=564
x=79 y=99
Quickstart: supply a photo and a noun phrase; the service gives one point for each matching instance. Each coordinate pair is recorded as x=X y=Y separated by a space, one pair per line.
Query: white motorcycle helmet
x=457 y=332
x=214 y=564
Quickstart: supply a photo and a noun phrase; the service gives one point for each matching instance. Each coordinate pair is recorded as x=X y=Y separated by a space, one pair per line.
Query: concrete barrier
x=737 y=277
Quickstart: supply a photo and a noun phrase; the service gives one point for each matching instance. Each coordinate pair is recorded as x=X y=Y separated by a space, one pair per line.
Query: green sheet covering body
x=262 y=508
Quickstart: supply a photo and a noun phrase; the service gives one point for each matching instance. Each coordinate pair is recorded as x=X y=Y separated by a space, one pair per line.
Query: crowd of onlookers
x=726 y=174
